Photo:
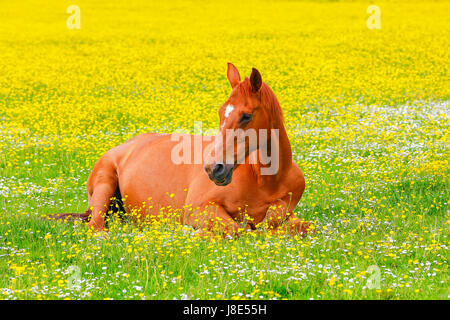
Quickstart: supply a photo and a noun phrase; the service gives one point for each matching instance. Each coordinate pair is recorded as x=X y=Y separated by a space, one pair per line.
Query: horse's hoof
x=307 y=227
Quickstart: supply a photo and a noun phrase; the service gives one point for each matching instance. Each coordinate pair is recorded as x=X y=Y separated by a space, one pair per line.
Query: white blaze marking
x=228 y=110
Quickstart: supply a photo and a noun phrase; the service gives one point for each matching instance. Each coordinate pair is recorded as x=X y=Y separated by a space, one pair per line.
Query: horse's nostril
x=218 y=169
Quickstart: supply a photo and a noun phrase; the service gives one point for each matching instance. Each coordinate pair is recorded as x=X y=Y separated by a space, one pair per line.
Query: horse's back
x=111 y=161
x=122 y=152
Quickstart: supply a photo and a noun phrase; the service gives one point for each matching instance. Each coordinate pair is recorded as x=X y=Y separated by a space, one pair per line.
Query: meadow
x=367 y=113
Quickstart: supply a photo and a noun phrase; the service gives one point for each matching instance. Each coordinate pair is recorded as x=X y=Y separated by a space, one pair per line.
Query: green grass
x=402 y=231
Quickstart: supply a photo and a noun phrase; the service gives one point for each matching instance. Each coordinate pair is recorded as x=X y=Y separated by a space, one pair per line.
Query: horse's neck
x=278 y=145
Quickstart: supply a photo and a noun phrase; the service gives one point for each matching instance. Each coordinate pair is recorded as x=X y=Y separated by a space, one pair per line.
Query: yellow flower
x=348 y=291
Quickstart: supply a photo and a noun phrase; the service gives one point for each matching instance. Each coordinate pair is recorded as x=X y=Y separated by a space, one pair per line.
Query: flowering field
x=367 y=113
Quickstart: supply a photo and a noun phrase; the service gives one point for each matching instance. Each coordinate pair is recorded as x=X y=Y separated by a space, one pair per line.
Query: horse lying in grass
x=233 y=177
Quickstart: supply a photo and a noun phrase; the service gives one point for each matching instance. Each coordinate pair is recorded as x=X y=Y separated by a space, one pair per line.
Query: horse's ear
x=233 y=75
x=255 y=80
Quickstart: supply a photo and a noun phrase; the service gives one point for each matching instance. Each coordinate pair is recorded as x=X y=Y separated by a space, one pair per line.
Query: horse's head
x=241 y=117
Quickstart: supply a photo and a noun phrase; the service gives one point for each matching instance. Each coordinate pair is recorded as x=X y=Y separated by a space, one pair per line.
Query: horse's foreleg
x=280 y=216
x=213 y=218
x=297 y=226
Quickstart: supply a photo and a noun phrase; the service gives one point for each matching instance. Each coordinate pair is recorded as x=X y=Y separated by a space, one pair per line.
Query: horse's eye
x=246 y=117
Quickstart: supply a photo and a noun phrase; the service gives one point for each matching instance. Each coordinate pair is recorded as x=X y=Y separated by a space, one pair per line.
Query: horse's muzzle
x=220 y=173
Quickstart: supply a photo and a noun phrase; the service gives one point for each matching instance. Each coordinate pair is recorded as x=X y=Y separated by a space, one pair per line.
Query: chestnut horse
x=143 y=167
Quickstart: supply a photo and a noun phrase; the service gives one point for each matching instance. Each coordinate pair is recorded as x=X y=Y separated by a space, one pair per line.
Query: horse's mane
x=268 y=98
